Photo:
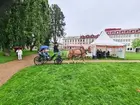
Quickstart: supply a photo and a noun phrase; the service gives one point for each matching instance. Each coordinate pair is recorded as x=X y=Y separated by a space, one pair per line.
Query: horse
x=74 y=53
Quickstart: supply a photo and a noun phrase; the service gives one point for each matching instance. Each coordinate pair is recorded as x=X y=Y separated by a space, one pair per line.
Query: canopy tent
x=107 y=44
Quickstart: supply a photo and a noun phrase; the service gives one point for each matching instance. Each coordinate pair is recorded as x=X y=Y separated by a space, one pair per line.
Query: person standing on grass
x=19 y=53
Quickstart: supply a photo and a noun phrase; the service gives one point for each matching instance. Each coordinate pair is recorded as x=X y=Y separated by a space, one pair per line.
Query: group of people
x=102 y=54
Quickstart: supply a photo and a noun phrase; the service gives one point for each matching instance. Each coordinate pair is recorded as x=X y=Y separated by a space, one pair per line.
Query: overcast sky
x=93 y=16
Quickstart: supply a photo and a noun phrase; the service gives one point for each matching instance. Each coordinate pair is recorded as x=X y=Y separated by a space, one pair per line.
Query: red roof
x=111 y=29
x=122 y=31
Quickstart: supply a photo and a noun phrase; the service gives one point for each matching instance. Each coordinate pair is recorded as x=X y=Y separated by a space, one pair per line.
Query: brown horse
x=74 y=53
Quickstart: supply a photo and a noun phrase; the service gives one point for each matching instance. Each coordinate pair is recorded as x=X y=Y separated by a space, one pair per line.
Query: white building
x=125 y=36
x=76 y=41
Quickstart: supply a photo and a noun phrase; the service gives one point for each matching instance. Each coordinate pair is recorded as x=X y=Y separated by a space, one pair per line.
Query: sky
x=84 y=17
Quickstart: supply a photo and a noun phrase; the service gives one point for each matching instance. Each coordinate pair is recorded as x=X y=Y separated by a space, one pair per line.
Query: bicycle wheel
x=38 y=60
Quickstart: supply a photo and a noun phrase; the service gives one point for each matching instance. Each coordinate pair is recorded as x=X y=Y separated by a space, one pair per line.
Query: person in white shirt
x=19 y=53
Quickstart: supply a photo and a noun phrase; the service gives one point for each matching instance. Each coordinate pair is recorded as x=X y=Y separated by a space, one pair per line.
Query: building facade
x=125 y=36
x=76 y=41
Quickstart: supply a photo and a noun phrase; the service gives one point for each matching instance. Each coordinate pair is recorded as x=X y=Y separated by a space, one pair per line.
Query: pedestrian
x=19 y=53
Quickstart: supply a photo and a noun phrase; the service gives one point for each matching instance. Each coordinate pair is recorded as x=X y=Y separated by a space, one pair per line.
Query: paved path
x=7 y=70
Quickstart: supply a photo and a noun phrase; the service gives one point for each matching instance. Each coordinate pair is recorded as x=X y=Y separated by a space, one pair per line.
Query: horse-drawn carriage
x=79 y=53
x=44 y=57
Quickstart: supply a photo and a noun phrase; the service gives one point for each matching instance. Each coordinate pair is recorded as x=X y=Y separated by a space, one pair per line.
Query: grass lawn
x=13 y=56
x=132 y=56
x=74 y=84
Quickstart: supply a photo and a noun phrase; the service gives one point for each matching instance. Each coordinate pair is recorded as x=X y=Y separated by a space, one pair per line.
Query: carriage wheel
x=58 y=61
x=38 y=60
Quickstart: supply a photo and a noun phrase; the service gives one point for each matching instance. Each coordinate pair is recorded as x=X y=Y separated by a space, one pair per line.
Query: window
x=108 y=33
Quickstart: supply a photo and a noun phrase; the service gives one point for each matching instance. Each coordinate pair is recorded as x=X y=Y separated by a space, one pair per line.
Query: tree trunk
x=54 y=38
x=31 y=48
x=6 y=52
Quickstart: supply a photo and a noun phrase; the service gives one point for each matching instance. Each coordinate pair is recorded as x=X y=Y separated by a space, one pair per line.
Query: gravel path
x=7 y=70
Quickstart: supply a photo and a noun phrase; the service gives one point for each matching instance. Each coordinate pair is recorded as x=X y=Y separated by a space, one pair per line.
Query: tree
x=136 y=43
x=37 y=22
x=26 y=24
x=57 y=22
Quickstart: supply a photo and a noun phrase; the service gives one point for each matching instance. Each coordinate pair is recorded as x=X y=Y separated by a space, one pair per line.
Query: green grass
x=74 y=84
x=132 y=56
x=63 y=53
x=4 y=59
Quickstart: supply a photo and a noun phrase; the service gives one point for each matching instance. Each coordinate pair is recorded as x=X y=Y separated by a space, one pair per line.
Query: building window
x=108 y=33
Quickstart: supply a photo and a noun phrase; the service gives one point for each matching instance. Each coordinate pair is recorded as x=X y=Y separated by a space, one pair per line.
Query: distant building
x=125 y=36
x=77 y=41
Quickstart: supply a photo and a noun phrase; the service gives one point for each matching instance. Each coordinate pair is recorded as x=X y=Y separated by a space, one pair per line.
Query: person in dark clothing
x=97 y=53
x=108 y=54
x=55 y=50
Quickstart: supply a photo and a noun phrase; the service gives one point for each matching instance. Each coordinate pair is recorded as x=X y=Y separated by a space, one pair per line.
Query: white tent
x=107 y=44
